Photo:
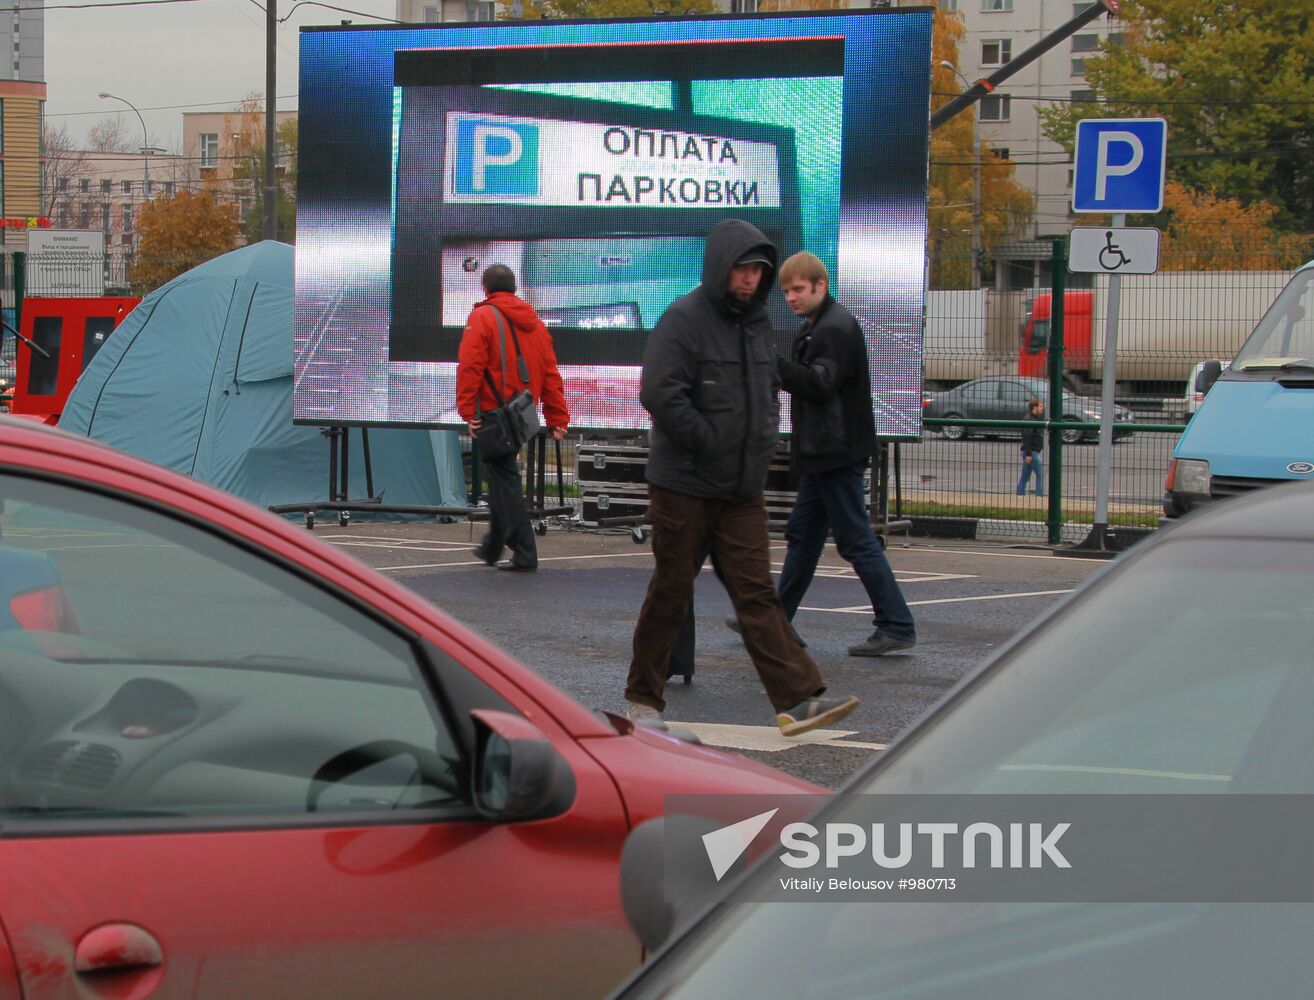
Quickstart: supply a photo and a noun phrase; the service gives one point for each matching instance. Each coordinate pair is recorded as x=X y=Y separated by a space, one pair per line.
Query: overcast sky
x=206 y=54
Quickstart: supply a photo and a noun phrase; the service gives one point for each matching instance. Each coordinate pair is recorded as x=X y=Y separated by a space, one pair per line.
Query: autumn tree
x=112 y=134
x=1006 y=206
x=1206 y=231
x=247 y=167
x=178 y=232
x=1235 y=82
x=62 y=163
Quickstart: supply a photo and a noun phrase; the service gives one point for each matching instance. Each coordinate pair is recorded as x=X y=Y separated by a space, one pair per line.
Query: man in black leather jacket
x=711 y=387
x=834 y=431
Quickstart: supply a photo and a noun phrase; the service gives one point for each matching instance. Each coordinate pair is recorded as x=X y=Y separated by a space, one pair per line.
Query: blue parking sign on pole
x=1119 y=165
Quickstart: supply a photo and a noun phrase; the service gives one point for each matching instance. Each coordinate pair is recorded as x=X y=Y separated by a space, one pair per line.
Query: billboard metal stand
x=536 y=485
x=879 y=507
x=339 y=491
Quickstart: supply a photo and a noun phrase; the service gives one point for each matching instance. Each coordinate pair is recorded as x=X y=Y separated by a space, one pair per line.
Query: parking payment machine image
x=593 y=158
x=600 y=208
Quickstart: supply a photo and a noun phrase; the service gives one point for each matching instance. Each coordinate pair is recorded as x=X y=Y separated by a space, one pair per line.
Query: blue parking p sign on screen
x=1119 y=165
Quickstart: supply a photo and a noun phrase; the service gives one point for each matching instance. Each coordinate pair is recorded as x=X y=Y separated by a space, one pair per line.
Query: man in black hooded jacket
x=711 y=388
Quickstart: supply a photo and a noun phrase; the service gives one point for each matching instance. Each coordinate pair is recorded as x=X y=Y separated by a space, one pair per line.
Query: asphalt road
x=573 y=621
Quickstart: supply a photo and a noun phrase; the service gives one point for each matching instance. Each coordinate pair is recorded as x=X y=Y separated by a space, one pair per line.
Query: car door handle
x=116 y=947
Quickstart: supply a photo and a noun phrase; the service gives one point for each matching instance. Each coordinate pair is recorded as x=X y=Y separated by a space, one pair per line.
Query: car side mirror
x=518 y=773
x=1209 y=374
x=656 y=907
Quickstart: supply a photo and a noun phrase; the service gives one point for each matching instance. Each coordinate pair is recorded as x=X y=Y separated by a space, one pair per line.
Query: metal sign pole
x=1100 y=529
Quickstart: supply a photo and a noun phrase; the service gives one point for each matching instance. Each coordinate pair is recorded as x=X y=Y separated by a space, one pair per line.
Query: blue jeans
x=833 y=502
x=1037 y=466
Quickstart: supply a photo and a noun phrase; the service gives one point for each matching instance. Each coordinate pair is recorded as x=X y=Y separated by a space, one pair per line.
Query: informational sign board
x=65 y=262
x=593 y=158
x=1119 y=164
x=1114 y=251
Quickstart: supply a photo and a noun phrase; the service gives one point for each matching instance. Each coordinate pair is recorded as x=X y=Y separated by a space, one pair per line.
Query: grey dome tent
x=198 y=378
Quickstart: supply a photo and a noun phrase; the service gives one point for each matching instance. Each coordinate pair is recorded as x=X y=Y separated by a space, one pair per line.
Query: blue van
x=1255 y=427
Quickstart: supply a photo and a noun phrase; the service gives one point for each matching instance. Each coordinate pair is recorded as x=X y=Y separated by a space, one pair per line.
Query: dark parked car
x=1182 y=672
x=1006 y=399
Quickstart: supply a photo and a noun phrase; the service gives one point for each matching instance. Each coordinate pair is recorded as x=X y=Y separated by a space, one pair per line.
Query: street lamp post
x=976 y=181
x=145 y=144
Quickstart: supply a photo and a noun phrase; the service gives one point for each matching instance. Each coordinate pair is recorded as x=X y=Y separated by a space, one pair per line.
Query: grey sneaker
x=641 y=713
x=878 y=644
x=732 y=623
x=812 y=713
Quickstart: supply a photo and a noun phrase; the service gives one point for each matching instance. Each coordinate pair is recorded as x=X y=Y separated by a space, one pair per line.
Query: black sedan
x=1006 y=399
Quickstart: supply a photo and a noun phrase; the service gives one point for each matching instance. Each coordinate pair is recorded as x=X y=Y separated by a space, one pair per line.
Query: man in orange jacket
x=480 y=359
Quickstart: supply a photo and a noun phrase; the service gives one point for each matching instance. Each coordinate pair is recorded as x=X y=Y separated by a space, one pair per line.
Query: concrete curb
x=1001 y=530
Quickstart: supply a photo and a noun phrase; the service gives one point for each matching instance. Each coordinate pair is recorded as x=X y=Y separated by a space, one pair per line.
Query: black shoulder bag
x=504 y=430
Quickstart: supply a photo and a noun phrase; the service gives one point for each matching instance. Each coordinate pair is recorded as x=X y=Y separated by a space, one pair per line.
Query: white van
x=1195 y=390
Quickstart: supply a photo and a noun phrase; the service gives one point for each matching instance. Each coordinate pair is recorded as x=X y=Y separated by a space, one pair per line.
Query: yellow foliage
x=178 y=232
x=1205 y=228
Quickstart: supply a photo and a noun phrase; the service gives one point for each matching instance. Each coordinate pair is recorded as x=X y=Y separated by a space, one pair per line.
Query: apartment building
x=23 y=41
x=105 y=191
x=222 y=149
x=1000 y=30
x=442 y=11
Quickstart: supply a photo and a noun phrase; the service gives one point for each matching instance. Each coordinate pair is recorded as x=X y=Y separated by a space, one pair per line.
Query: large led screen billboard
x=593 y=158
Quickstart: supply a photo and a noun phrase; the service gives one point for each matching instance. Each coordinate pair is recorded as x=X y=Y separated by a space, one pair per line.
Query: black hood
x=726 y=244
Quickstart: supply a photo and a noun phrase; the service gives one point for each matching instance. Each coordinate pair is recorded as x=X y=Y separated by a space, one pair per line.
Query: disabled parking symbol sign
x=1119 y=165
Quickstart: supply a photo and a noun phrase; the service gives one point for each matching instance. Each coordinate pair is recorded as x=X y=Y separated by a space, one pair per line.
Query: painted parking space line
x=865 y=609
x=769 y=738
x=541 y=559
x=1134 y=772
x=903 y=576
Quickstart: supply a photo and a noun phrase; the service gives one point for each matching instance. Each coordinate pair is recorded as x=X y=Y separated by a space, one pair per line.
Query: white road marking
x=541 y=559
x=768 y=738
x=1135 y=772
x=865 y=609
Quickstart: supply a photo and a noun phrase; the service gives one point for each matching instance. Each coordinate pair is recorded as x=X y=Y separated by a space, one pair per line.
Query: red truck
x=1167 y=323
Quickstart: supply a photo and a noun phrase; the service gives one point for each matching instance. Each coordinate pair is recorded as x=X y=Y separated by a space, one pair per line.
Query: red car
x=235 y=762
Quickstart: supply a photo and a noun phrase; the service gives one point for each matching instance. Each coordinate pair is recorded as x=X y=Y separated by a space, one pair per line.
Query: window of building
x=481 y=10
x=996 y=108
x=168 y=187
x=991 y=6
x=127 y=187
x=65 y=217
x=743 y=6
x=127 y=218
x=84 y=216
x=106 y=185
x=950 y=5
x=1083 y=95
x=148 y=188
x=430 y=15
x=105 y=226
x=999 y=152
x=1085 y=43
x=209 y=149
x=996 y=51
x=61 y=184
x=1078 y=67
x=1115 y=39
x=84 y=185
x=126 y=239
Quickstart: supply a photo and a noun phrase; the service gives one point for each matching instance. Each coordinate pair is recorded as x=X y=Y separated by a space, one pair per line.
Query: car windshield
x=1284 y=338
x=1189 y=675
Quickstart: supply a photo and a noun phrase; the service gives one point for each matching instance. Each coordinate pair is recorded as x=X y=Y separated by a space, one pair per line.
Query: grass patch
x=1076 y=515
